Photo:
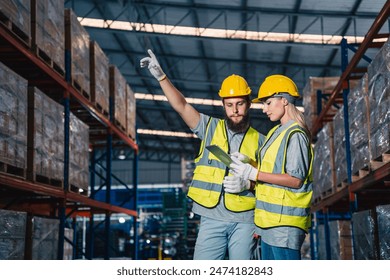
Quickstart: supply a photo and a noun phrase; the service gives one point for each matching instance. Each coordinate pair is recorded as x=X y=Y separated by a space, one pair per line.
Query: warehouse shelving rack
x=42 y=199
x=372 y=189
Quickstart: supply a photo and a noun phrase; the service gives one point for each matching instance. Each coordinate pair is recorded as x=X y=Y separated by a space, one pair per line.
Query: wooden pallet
x=48 y=60
x=361 y=173
x=120 y=126
x=48 y=181
x=327 y=193
x=15 y=30
x=101 y=109
x=12 y=170
x=80 y=89
x=380 y=161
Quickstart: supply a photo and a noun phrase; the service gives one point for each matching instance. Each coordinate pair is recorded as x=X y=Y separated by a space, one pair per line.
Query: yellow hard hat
x=276 y=84
x=234 y=86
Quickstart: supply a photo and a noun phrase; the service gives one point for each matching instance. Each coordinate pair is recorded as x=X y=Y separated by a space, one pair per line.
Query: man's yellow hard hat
x=234 y=86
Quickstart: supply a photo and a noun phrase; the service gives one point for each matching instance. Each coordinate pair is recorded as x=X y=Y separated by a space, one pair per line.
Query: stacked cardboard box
x=340 y=158
x=45 y=139
x=77 y=45
x=78 y=156
x=118 y=96
x=12 y=234
x=340 y=240
x=131 y=113
x=383 y=220
x=323 y=165
x=99 y=70
x=363 y=231
x=13 y=119
x=18 y=13
x=379 y=98
x=358 y=123
x=45 y=238
x=47 y=31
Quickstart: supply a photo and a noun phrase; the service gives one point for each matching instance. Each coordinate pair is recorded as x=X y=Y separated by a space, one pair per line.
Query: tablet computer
x=220 y=154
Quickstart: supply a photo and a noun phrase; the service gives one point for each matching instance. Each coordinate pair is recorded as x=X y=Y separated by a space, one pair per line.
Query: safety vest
x=278 y=205
x=206 y=187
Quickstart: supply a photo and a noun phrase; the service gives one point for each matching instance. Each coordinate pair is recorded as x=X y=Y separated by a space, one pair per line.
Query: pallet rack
x=372 y=189
x=42 y=199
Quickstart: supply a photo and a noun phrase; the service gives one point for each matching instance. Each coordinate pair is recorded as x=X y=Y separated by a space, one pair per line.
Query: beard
x=239 y=127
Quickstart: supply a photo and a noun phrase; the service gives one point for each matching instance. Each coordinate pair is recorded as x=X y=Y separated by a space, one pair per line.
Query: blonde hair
x=297 y=116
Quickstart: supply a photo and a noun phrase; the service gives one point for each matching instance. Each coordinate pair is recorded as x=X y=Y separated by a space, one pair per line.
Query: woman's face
x=275 y=108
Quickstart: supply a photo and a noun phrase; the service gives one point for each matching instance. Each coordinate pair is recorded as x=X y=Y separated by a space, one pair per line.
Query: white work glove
x=241 y=157
x=235 y=184
x=153 y=66
x=243 y=170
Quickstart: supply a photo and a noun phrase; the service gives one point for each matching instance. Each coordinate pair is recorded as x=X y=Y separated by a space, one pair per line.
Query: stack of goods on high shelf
x=324 y=173
x=124 y=102
x=77 y=42
x=369 y=123
x=315 y=94
x=47 y=32
x=379 y=104
x=371 y=237
x=99 y=69
x=41 y=25
x=46 y=144
x=43 y=244
x=340 y=238
x=13 y=122
x=78 y=156
x=16 y=15
x=46 y=136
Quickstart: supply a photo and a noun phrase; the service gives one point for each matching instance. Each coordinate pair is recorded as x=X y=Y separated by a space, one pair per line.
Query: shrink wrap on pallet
x=13 y=118
x=48 y=28
x=12 y=234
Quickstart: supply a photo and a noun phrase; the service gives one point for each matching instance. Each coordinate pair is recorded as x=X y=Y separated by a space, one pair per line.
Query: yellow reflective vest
x=278 y=205
x=206 y=186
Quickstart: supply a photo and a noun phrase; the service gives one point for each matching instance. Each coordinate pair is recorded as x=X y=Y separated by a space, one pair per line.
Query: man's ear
x=285 y=102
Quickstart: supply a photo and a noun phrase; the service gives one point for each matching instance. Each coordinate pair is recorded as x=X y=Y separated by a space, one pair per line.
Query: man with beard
x=224 y=202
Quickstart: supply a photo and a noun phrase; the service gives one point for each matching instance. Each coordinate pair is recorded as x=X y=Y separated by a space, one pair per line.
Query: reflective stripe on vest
x=206 y=187
x=278 y=205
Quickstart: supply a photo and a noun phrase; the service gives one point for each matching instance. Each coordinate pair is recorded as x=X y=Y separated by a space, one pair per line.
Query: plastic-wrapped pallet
x=339 y=147
x=358 y=123
x=340 y=240
x=47 y=32
x=383 y=219
x=118 y=86
x=45 y=139
x=310 y=97
x=379 y=97
x=99 y=70
x=18 y=12
x=78 y=156
x=363 y=228
x=323 y=167
x=45 y=238
x=321 y=243
x=12 y=234
x=13 y=119
x=68 y=248
x=77 y=44
x=130 y=112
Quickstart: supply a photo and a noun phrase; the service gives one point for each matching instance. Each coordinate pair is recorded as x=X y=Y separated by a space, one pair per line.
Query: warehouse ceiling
x=251 y=38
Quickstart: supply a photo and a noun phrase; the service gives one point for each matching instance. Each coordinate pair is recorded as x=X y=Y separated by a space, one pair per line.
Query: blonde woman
x=284 y=174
